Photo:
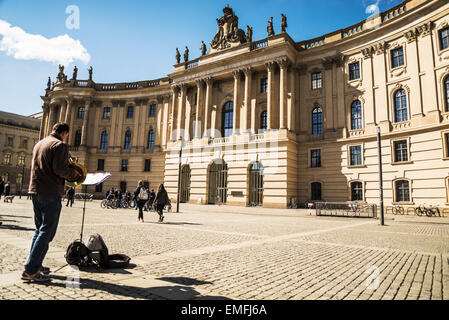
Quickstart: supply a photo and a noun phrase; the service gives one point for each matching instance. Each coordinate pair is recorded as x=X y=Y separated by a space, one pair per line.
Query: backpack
x=98 y=250
x=118 y=261
x=78 y=254
x=143 y=194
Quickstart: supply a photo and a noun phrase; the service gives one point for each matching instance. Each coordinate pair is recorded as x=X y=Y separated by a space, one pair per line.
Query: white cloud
x=24 y=46
x=373 y=8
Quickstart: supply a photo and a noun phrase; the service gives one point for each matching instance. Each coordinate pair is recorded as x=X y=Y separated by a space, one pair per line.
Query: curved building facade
x=273 y=121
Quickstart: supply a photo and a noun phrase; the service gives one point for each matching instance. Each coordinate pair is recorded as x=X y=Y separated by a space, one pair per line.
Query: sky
x=135 y=40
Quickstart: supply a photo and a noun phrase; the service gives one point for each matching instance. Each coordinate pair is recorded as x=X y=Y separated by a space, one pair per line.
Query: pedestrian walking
x=70 y=196
x=2 y=187
x=7 y=189
x=141 y=196
x=49 y=169
x=161 y=201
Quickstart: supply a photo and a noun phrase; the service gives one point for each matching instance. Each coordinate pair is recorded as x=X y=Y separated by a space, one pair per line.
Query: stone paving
x=212 y=252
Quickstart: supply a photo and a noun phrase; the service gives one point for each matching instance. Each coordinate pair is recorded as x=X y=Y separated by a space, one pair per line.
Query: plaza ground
x=220 y=252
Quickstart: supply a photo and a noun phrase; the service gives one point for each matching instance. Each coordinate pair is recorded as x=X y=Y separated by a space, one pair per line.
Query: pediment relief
x=355 y=84
x=443 y=24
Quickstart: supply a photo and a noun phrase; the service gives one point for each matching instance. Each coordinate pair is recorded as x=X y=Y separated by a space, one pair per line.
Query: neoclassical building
x=264 y=122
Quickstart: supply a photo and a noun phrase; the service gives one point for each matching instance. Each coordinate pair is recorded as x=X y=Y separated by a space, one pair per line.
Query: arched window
x=317 y=121
x=104 y=140
x=400 y=106
x=127 y=145
x=356 y=191
x=316 y=191
x=151 y=139
x=402 y=188
x=264 y=121
x=446 y=92
x=78 y=138
x=228 y=114
x=356 y=115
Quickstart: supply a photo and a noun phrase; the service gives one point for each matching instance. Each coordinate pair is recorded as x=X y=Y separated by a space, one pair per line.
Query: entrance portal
x=218 y=182
x=255 y=185
x=185 y=184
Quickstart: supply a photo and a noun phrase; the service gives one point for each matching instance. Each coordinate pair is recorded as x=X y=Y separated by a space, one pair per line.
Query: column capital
x=87 y=102
x=367 y=52
x=236 y=73
x=199 y=83
x=425 y=29
x=283 y=63
x=380 y=47
x=209 y=81
x=411 y=35
x=248 y=71
x=175 y=89
x=270 y=66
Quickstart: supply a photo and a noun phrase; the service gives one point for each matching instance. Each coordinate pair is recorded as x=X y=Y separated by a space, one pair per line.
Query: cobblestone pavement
x=211 y=252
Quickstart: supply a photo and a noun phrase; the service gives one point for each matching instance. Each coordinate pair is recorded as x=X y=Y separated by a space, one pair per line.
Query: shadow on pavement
x=164 y=292
x=13 y=227
x=13 y=216
x=184 y=281
x=177 y=223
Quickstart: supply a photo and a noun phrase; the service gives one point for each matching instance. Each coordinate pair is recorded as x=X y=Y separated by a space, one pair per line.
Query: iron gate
x=256 y=184
x=185 y=184
x=218 y=182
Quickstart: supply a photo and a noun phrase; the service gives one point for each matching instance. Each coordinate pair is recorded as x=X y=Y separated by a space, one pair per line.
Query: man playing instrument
x=49 y=169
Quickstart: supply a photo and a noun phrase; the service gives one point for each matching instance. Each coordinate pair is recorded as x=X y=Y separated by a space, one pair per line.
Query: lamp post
x=381 y=189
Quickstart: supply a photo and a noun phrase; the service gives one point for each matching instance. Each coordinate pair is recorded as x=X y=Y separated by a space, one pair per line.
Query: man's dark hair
x=61 y=127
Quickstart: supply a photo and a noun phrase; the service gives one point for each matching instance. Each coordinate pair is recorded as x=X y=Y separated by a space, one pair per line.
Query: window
x=127 y=144
x=400 y=106
x=317 y=80
x=10 y=142
x=130 y=112
x=316 y=191
x=77 y=138
x=446 y=93
x=123 y=186
x=104 y=140
x=356 y=191
x=444 y=38
x=228 y=113
x=263 y=85
x=354 y=71
x=80 y=113
x=24 y=144
x=356 y=115
x=100 y=165
x=7 y=159
x=99 y=187
x=355 y=155
x=147 y=167
x=397 y=57
x=5 y=177
x=151 y=139
x=106 y=113
x=402 y=189
x=446 y=141
x=21 y=161
x=264 y=121
x=152 y=110
x=124 y=165
x=315 y=158
x=19 y=179
x=317 y=121
x=400 y=151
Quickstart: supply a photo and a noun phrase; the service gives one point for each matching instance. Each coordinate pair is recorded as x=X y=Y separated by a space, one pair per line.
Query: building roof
x=18 y=120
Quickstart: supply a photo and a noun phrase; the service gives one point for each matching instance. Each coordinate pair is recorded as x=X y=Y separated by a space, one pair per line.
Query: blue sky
x=135 y=40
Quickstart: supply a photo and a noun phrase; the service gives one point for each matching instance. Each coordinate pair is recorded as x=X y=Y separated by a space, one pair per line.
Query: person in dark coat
x=140 y=202
x=70 y=196
x=2 y=187
x=161 y=201
x=7 y=189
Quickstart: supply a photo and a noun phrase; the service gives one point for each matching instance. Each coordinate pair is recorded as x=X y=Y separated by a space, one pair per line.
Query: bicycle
x=108 y=204
x=398 y=210
x=428 y=211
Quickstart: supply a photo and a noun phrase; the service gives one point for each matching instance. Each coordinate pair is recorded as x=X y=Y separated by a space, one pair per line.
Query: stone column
x=69 y=118
x=283 y=65
x=207 y=103
x=63 y=111
x=50 y=119
x=68 y=112
x=165 y=121
x=188 y=112
x=270 y=70
x=181 y=106
x=175 y=91
x=159 y=122
x=328 y=115
x=44 y=122
x=199 y=107
x=85 y=121
x=291 y=110
x=236 y=110
x=381 y=95
x=247 y=100
x=415 y=101
x=369 y=110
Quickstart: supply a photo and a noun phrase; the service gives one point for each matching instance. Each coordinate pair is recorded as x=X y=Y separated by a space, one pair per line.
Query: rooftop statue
x=270 y=29
x=203 y=48
x=186 y=54
x=90 y=73
x=178 y=56
x=49 y=84
x=249 y=34
x=284 y=23
x=60 y=77
x=228 y=33
x=75 y=73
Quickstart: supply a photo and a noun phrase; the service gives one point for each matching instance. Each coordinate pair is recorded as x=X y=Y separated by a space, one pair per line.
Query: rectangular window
x=7 y=159
x=402 y=191
x=315 y=158
x=354 y=71
x=317 y=80
x=400 y=151
x=130 y=112
x=397 y=57
x=106 y=113
x=356 y=155
x=147 y=167
x=444 y=38
x=263 y=85
x=99 y=187
x=124 y=165
x=21 y=161
x=100 y=165
x=446 y=141
x=80 y=113
x=10 y=142
x=152 y=110
x=24 y=144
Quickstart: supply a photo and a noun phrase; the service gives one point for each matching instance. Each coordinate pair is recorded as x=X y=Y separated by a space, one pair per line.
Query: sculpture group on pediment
x=61 y=76
x=249 y=34
x=228 y=31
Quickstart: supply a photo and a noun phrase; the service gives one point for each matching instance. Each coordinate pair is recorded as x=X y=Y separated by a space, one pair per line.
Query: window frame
x=106 y=114
x=392 y=58
x=395 y=193
x=359 y=120
x=351 y=198
x=395 y=109
x=445 y=142
x=152 y=110
x=349 y=156
x=128 y=140
x=311 y=150
x=130 y=112
x=311 y=190
x=102 y=161
x=81 y=112
x=440 y=39
x=393 y=151
x=358 y=70
x=263 y=121
x=316 y=84
x=147 y=165
x=227 y=131
x=77 y=138
x=264 y=85
x=316 y=123
x=122 y=167
x=150 y=134
x=446 y=93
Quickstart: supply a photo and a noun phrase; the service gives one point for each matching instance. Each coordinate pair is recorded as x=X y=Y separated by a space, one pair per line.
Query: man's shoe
x=44 y=270
x=37 y=277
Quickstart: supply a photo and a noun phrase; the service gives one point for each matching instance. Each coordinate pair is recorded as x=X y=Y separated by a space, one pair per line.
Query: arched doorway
x=185 y=183
x=255 y=194
x=218 y=182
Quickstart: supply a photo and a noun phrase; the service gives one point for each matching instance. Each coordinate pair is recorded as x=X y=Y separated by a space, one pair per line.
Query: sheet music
x=95 y=178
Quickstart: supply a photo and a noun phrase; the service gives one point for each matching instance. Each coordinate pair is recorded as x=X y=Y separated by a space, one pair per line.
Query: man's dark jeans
x=47 y=210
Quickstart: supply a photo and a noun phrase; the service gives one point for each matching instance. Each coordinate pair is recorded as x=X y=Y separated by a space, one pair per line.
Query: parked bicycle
x=108 y=204
x=428 y=211
x=398 y=210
